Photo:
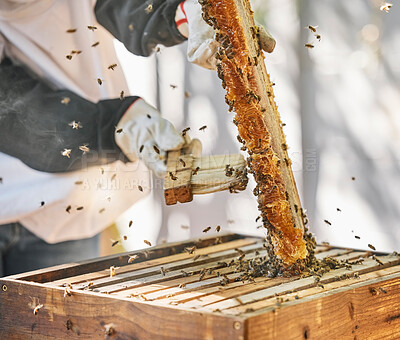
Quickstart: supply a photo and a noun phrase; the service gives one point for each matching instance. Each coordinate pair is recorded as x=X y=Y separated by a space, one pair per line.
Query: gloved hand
x=146 y=135
x=201 y=44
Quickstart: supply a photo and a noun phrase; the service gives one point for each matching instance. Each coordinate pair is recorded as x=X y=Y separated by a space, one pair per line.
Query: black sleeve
x=140 y=25
x=34 y=123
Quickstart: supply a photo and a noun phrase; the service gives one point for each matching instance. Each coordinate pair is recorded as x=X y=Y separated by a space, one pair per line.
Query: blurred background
x=340 y=101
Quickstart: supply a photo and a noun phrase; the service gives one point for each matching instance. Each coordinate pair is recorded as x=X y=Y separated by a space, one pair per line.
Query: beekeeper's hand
x=202 y=46
x=146 y=135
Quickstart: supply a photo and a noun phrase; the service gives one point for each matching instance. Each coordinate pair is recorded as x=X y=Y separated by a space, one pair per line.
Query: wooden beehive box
x=159 y=296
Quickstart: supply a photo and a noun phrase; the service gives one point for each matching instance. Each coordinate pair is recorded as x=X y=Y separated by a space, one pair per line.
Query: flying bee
x=68 y=209
x=309 y=45
x=84 y=148
x=174 y=178
x=318 y=37
x=173 y=86
x=112 y=67
x=92 y=28
x=187 y=94
x=68 y=56
x=184 y=131
x=141 y=148
x=133 y=258
x=357 y=237
x=36 y=309
x=148 y=116
x=147 y=242
x=156 y=149
x=76 y=52
x=218 y=228
x=96 y=44
x=130 y=27
x=196 y=170
x=125 y=237
x=113 y=177
x=203 y=128
x=65 y=100
x=371 y=247
x=140 y=188
x=75 y=125
x=130 y=224
x=42 y=203
x=122 y=95
x=66 y=153
x=327 y=222
x=79 y=208
x=182 y=285
x=386 y=7
x=206 y=229
x=184 y=227
x=183 y=162
x=118 y=130
x=99 y=81
x=71 y=30
x=102 y=210
x=149 y=9
x=312 y=28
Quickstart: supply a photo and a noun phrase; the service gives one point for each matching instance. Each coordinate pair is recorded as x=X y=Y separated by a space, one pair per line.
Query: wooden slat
x=88 y=266
x=104 y=274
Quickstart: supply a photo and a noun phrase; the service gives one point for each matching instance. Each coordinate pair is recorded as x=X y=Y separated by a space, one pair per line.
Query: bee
x=284 y=146
x=318 y=37
x=68 y=209
x=196 y=170
x=382 y=290
x=184 y=131
x=113 y=177
x=309 y=45
x=68 y=56
x=78 y=182
x=125 y=237
x=158 y=49
x=187 y=94
x=130 y=224
x=99 y=81
x=66 y=153
x=327 y=222
x=148 y=116
x=174 y=178
x=112 y=67
x=141 y=148
x=371 y=247
x=206 y=229
x=196 y=258
x=386 y=7
x=112 y=271
x=203 y=128
x=130 y=27
x=312 y=28
x=1 y=180
x=353 y=178
x=119 y=130
x=75 y=125
x=102 y=171
x=377 y=260
x=96 y=44
x=173 y=86
x=84 y=148
x=76 y=52
x=190 y=250
x=218 y=228
x=147 y=242
x=79 y=208
x=65 y=100
x=67 y=291
x=133 y=258
x=140 y=188
x=71 y=30
x=36 y=309
x=102 y=210
x=42 y=203
x=184 y=227
x=156 y=149
x=183 y=162
x=92 y=28
x=182 y=285
x=122 y=95
x=109 y=329
x=149 y=9
x=337 y=209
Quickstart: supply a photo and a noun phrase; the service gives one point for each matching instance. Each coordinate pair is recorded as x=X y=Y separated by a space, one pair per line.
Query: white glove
x=147 y=136
x=201 y=44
